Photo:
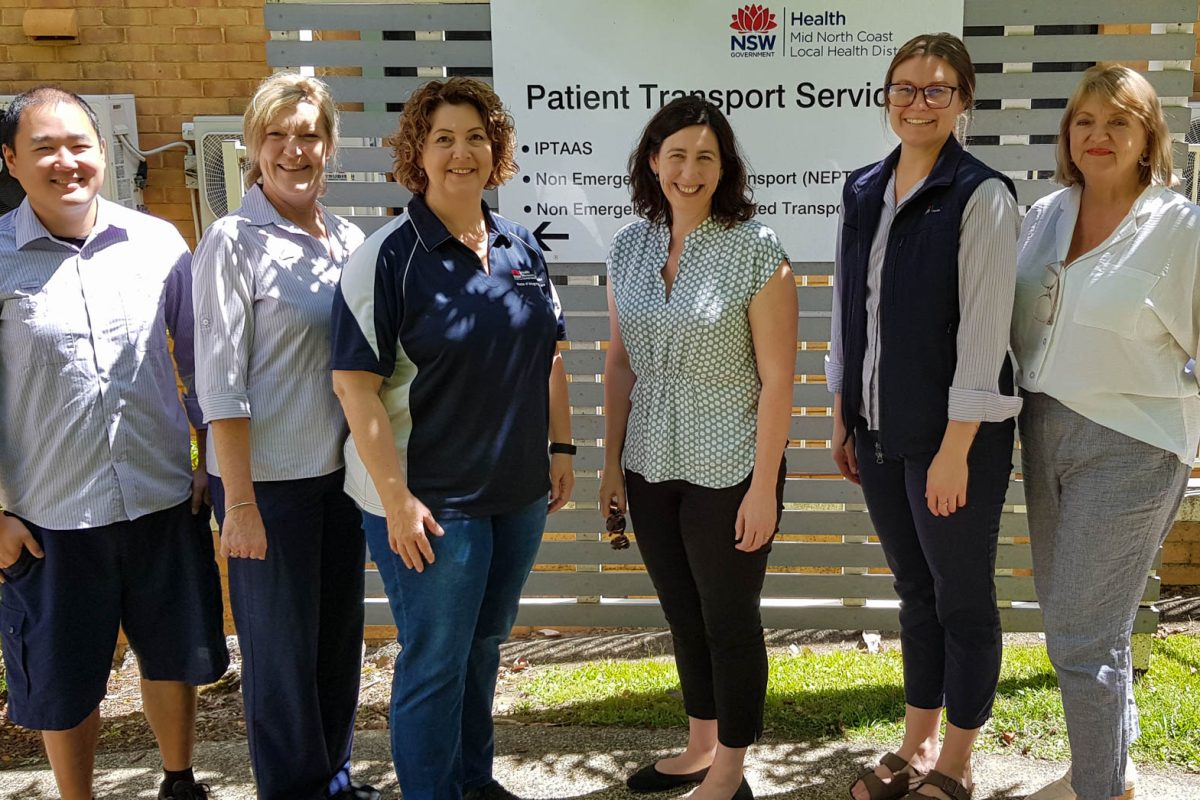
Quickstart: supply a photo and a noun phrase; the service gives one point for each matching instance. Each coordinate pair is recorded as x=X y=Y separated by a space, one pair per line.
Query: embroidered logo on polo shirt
x=523 y=277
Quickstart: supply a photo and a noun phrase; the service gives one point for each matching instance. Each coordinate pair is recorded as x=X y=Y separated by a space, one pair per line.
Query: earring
x=1143 y=160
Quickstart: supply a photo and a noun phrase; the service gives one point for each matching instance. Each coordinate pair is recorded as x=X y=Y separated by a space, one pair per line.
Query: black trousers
x=945 y=570
x=710 y=594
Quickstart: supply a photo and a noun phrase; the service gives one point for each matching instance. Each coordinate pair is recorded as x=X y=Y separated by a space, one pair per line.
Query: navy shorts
x=153 y=576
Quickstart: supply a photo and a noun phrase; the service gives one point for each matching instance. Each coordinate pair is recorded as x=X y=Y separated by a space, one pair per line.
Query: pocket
x=32 y=335
x=12 y=634
x=143 y=302
x=1114 y=301
x=19 y=568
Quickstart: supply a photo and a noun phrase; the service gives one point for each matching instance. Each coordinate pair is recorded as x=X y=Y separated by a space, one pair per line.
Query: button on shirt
x=694 y=414
x=263 y=291
x=465 y=356
x=92 y=431
x=987 y=251
x=1126 y=318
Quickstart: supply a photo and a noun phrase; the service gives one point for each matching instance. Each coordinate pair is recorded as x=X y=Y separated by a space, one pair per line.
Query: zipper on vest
x=878 y=452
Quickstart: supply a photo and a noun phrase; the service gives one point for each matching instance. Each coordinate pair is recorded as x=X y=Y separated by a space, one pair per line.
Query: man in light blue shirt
x=103 y=522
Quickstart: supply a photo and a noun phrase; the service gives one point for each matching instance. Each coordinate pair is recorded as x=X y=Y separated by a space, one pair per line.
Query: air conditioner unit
x=1192 y=142
x=218 y=182
x=118 y=119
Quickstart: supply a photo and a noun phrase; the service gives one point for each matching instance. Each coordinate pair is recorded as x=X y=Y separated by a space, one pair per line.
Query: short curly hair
x=409 y=139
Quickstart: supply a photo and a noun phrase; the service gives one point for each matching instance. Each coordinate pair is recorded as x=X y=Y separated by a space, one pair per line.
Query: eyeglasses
x=1047 y=302
x=903 y=95
x=615 y=527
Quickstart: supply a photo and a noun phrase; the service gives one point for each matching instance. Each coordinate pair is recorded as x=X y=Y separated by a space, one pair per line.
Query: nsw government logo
x=752 y=38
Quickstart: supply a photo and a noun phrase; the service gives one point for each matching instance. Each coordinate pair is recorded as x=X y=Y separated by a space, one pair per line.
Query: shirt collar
x=662 y=233
x=433 y=233
x=1143 y=207
x=29 y=227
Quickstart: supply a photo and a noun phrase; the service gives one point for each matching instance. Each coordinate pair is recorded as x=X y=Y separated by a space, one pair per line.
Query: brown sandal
x=953 y=789
x=904 y=779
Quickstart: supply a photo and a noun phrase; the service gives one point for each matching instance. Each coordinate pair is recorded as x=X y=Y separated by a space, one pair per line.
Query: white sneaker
x=1061 y=788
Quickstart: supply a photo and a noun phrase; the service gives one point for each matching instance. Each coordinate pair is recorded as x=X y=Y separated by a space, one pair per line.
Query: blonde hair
x=1130 y=92
x=280 y=92
x=409 y=139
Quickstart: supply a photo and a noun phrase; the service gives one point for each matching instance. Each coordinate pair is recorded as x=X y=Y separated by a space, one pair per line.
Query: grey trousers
x=1100 y=505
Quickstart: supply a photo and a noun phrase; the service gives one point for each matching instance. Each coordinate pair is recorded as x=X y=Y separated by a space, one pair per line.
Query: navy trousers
x=299 y=619
x=945 y=570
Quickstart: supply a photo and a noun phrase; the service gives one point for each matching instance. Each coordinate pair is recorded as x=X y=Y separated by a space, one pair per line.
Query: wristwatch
x=562 y=447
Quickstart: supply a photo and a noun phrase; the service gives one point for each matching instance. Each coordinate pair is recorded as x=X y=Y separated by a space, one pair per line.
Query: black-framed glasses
x=936 y=95
x=615 y=527
x=1047 y=302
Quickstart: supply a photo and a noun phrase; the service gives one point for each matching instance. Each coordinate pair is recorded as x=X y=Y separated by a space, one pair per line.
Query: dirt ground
x=219 y=716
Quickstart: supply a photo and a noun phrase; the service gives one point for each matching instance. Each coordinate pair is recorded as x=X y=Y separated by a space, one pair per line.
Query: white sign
x=802 y=86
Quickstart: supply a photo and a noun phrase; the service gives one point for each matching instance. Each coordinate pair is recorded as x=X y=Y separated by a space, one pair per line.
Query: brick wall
x=1181 y=553
x=179 y=58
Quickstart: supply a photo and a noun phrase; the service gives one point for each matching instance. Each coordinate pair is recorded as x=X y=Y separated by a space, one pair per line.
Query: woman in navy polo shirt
x=924 y=405
x=445 y=360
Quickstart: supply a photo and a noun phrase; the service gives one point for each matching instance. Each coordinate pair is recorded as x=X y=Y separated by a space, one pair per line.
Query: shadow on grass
x=803 y=715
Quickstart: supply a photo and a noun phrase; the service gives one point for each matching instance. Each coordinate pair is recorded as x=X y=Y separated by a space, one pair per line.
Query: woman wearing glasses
x=698 y=399
x=1105 y=323
x=923 y=403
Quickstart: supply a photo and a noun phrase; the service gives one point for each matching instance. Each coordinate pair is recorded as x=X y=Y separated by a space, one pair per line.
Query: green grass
x=857 y=696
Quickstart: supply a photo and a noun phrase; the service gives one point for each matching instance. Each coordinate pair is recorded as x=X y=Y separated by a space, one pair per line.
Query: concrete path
x=563 y=762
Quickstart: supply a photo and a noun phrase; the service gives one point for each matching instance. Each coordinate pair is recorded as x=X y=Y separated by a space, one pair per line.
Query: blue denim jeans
x=450 y=621
x=1100 y=505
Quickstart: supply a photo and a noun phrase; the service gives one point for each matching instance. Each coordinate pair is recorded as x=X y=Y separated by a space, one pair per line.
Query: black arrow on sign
x=541 y=236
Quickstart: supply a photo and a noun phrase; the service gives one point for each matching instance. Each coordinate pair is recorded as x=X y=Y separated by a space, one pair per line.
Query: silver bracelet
x=239 y=505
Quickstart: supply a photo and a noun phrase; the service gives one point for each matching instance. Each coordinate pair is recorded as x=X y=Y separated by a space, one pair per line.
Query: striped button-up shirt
x=92 y=431
x=263 y=297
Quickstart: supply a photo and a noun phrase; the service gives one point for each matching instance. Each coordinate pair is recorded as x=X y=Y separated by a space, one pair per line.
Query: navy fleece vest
x=918 y=309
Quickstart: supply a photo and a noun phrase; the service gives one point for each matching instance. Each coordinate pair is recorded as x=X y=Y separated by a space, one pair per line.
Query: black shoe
x=358 y=791
x=184 y=790
x=649 y=779
x=489 y=791
x=743 y=792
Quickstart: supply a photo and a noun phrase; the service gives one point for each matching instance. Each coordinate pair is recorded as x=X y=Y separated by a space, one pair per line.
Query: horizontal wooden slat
x=813 y=328
x=1059 y=49
x=635 y=614
x=814 y=523
x=1045 y=121
x=801 y=490
x=591 y=362
x=377 y=16
x=592 y=394
x=1070 y=12
x=353 y=89
x=1042 y=85
x=379 y=54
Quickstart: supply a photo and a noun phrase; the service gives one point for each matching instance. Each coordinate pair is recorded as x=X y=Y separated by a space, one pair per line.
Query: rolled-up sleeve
x=223 y=296
x=987 y=274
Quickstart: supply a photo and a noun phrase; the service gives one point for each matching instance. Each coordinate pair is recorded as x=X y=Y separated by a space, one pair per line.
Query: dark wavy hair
x=409 y=138
x=732 y=201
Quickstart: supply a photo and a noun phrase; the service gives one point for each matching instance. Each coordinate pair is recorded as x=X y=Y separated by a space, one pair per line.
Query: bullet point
x=524 y=148
x=526 y=179
x=528 y=209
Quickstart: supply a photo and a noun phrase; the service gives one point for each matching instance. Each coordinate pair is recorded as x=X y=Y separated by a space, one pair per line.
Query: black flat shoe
x=649 y=779
x=743 y=792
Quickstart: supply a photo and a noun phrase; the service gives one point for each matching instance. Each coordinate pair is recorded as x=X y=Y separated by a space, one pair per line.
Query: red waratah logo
x=753 y=19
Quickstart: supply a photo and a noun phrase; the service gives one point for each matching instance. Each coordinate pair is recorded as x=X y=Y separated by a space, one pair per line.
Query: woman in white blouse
x=698 y=399
x=263 y=284
x=1105 y=322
